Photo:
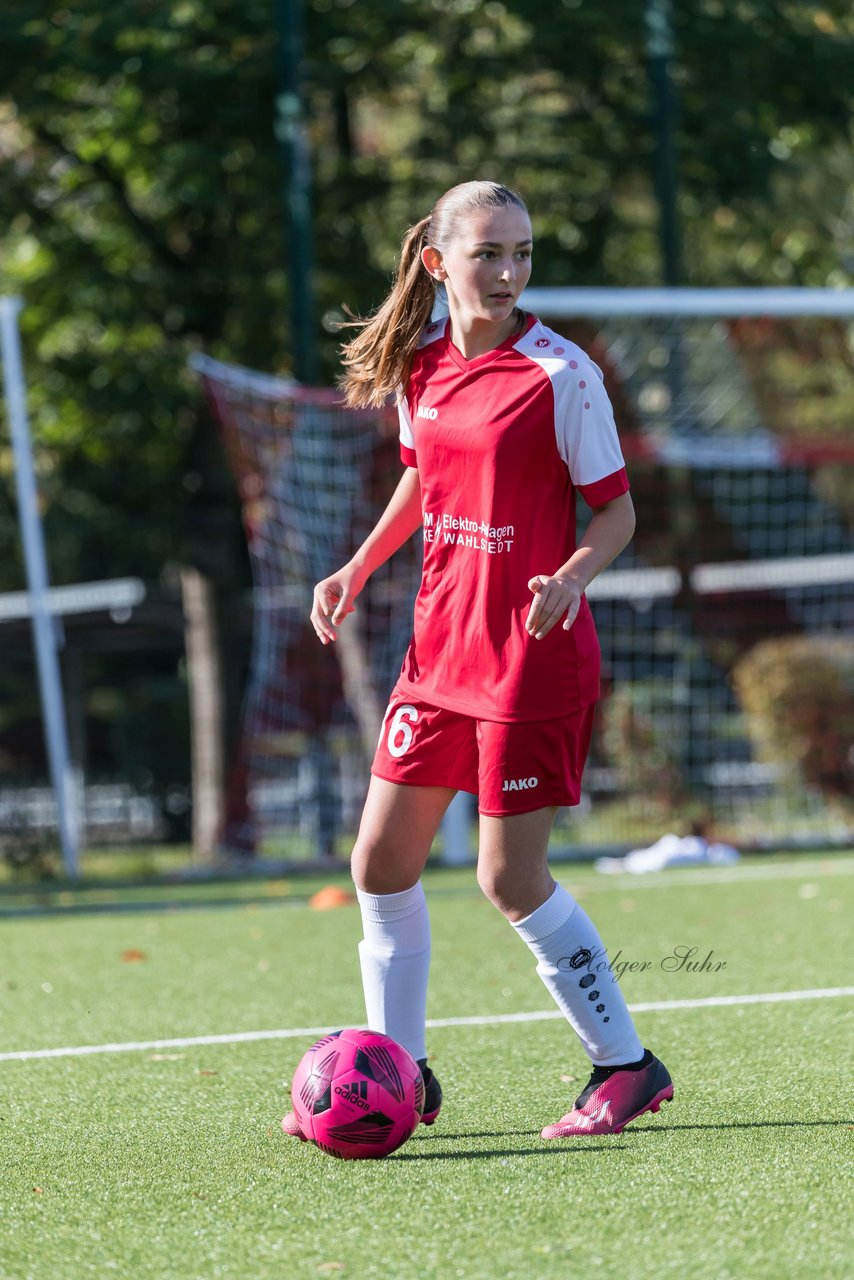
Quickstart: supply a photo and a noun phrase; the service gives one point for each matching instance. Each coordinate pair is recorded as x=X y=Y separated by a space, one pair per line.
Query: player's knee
x=496 y=882
x=376 y=868
x=515 y=891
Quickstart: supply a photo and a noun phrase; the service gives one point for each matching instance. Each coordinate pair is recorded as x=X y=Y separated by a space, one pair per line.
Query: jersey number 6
x=399 y=731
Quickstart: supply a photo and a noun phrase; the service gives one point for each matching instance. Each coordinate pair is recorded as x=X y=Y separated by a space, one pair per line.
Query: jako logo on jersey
x=356 y=1093
x=423 y=411
x=519 y=784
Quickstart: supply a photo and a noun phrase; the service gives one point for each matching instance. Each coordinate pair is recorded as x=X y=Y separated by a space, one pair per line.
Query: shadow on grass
x=439 y=1135
x=743 y=1124
x=561 y=1145
x=505 y=1152
x=547 y=1149
x=160 y=906
x=34 y=900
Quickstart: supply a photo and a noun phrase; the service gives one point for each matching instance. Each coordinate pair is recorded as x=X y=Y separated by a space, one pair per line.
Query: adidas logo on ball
x=356 y=1093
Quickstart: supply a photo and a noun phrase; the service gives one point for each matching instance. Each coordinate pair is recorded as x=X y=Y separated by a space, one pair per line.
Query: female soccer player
x=501 y=421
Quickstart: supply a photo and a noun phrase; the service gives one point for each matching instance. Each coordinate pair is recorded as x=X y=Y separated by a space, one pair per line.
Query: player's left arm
x=558 y=595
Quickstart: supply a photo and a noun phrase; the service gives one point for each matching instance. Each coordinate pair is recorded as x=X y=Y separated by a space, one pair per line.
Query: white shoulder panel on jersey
x=585 y=431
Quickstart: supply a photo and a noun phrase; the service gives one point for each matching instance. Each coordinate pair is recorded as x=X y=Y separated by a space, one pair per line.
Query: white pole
x=570 y=303
x=44 y=633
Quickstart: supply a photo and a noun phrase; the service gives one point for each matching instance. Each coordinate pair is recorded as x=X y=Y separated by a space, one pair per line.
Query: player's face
x=488 y=264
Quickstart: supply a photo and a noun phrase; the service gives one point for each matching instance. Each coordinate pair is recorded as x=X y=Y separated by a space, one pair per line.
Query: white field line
x=687 y=877
x=477 y=1020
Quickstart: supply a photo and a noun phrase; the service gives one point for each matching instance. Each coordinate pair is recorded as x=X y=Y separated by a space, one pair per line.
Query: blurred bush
x=797 y=695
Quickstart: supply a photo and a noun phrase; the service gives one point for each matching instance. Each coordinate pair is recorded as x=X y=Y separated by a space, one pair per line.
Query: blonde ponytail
x=378 y=359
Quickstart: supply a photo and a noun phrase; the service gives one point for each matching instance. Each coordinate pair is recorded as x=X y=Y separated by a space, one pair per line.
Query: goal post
x=43 y=619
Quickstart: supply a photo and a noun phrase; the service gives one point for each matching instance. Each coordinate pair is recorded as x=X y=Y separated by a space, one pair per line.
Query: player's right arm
x=334 y=596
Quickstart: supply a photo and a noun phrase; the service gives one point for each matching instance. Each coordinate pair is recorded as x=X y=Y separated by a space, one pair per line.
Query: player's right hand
x=333 y=600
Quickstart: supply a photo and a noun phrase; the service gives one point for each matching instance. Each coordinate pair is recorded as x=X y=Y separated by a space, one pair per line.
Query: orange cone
x=329 y=897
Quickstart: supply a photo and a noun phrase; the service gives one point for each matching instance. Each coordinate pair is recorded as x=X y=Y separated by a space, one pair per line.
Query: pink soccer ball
x=358 y=1095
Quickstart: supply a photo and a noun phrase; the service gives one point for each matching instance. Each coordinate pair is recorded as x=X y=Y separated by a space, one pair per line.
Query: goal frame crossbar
x=687 y=302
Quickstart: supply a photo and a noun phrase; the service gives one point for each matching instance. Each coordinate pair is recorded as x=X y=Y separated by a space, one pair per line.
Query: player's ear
x=432 y=260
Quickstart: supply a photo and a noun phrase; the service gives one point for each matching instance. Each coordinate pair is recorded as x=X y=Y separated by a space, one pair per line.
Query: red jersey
x=501 y=443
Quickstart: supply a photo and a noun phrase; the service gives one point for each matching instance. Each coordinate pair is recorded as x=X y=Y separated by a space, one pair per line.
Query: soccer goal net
x=312 y=478
x=727 y=627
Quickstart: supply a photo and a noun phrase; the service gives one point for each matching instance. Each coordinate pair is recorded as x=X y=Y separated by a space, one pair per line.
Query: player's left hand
x=553 y=597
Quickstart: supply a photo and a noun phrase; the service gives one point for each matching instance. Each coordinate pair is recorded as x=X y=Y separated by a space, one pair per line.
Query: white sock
x=395 y=959
x=572 y=963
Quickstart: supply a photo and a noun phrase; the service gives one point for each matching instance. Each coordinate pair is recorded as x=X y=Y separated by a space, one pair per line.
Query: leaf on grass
x=203 y=1072
x=569 y=1079
x=167 y=1057
x=277 y=888
x=326 y=1267
x=133 y=955
x=38 y=1191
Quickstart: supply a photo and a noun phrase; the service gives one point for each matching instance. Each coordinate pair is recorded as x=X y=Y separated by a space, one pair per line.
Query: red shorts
x=511 y=768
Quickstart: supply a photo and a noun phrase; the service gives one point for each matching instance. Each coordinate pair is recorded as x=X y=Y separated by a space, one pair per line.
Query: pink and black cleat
x=613 y=1097
x=432 y=1105
x=432 y=1095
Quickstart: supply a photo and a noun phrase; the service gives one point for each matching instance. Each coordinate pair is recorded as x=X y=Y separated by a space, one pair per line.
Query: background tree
x=143 y=218
x=140 y=194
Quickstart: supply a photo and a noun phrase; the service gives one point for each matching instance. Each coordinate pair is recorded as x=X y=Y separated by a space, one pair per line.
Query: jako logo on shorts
x=424 y=411
x=519 y=784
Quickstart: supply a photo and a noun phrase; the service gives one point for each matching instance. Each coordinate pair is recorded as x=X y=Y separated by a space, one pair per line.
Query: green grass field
x=167 y=1161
